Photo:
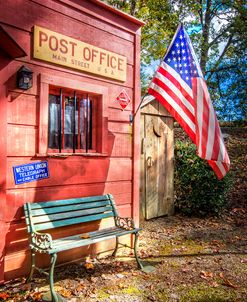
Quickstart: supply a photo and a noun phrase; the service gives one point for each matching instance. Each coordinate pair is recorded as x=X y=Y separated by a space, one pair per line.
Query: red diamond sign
x=123 y=99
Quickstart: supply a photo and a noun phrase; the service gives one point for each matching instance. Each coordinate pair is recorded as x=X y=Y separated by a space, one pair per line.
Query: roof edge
x=118 y=12
x=9 y=45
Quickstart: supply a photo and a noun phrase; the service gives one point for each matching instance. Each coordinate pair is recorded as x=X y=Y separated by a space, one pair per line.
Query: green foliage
x=198 y=191
x=218 y=30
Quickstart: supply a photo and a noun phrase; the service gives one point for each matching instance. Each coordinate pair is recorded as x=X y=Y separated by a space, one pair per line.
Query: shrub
x=198 y=192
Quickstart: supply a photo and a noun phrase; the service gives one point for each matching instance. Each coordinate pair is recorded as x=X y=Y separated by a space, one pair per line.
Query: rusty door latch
x=150 y=161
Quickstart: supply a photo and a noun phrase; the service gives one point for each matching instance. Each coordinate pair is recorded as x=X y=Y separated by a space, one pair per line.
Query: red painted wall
x=117 y=172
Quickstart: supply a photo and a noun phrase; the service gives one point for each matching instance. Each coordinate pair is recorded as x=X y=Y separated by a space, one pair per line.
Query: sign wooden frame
x=62 y=50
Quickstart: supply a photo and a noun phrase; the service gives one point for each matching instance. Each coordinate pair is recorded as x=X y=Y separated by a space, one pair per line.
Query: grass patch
x=102 y=293
x=163 y=296
x=183 y=248
x=131 y=290
x=204 y=293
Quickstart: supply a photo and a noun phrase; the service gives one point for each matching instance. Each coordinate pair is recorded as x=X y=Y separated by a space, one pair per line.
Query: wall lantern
x=24 y=78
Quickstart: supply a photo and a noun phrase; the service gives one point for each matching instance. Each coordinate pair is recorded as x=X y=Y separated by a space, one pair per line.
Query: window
x=72 y=117
x=71 y=121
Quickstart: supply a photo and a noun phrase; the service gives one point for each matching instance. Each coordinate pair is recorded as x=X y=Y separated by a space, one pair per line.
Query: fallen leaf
x=85 y=236
x=214 y=284
x=78 y=289
x=206 y=275
x=229 y=283
x=66 y=293
x=4 y=296
x=93 y=279
x=121 y=285
x=89 y=266
x=26 y=287
x=36 y=296
x=235 y=210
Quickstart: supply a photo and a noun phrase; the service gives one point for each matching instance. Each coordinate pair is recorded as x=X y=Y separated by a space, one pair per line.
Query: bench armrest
x=126 y=223
x=41 y=240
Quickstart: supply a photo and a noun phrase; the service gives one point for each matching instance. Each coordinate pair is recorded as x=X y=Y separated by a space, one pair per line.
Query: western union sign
x=60 y=49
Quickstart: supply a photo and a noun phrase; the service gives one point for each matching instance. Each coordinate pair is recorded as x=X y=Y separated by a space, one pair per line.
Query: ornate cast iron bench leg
x=116 y=248
x=135 y=251
x=51 y=278
x=32 y=267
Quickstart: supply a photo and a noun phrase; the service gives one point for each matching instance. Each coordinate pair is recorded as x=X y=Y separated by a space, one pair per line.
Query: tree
x=218 y=30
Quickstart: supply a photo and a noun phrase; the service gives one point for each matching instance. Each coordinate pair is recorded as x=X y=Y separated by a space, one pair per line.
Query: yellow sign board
x=60 y=49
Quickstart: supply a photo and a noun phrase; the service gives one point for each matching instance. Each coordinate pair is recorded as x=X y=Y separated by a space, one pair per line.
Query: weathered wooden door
x=157 y=162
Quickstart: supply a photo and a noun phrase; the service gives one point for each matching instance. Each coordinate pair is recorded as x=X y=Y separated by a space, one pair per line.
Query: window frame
x=95 y=100
x=100 y=129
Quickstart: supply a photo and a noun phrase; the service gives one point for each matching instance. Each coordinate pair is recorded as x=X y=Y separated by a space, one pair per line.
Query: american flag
x=180 y=87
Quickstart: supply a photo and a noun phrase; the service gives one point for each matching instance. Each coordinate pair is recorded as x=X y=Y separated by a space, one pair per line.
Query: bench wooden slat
x=66 y=215
x=67 y=208
x=92 y=235
x=62 y=202
x=60 y=223
x=75 y=241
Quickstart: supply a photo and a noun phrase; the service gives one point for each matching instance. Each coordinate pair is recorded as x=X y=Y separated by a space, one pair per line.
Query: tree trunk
x=132 y=7
x=205 y=37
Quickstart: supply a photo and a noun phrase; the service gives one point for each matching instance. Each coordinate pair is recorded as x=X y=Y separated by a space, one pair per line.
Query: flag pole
x=132 y=116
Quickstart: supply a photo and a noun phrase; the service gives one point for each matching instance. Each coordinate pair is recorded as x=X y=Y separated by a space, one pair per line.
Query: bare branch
x=222 y=69
x=222 y=55
x=220 y=35
x=214 y=11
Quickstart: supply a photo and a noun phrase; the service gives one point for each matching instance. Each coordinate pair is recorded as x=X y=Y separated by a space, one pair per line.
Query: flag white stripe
x=177 y=76
x=221 y=167
x=221 y=156
x=175 y=106
x=211 y=132
x=178 y=93
x=199 y=116
x=211 y=121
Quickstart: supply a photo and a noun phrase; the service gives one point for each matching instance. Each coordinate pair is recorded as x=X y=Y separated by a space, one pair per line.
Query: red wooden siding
x=23 y=120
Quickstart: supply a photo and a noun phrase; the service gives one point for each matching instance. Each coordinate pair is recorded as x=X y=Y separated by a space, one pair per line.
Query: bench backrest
x=52 y=214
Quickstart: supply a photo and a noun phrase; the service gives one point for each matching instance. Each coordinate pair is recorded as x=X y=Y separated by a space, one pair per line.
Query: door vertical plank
x=162 y=177
x=170 y=165
x=142 y=170
x=151 y=171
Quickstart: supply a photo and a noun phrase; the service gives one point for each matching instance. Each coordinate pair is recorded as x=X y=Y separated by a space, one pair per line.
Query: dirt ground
x=194 y=260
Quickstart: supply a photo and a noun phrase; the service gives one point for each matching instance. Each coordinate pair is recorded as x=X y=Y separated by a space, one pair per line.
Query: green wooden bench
x=60 y=213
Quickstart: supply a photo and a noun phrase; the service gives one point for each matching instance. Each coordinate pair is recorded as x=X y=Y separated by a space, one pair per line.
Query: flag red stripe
x=205 y=116
x=214 y=165
x=216 y=169
x=174 y=113
x=176 y=83
x=216 y=147
x=159 y=83
x=194 y=89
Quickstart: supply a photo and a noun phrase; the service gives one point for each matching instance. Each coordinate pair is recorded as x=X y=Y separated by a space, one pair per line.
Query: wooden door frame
x=156 y=109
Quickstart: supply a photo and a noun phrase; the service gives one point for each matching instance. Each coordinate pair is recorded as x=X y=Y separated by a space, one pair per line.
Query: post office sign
x=60 y=49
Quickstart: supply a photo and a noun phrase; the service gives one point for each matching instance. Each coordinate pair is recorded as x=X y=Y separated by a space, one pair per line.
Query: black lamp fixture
x=24 y=78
